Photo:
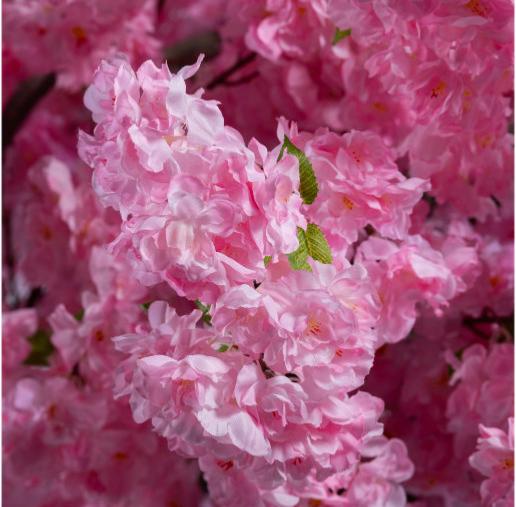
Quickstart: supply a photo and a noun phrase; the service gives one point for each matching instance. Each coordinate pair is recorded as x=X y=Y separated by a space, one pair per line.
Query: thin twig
x=21 y=104
x=14 y=114
x=222 y=77
x=186 y=51
x=160 y=5
x=471 y=326
x=243 y=79
x=11 y=295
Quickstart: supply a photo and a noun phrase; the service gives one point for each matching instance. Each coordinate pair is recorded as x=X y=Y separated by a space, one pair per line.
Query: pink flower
x=77 y=446
x=84 y=341
x=196 y=208
x=494 y=459
x=377 y=483
x=278 y=198
x=207 y=396
x=321 y=331
x=77 y=35
x=483 y=393
x=360 y=184
x=274 y=29
x=405 y=275
x=17 y=326
x=57 y=221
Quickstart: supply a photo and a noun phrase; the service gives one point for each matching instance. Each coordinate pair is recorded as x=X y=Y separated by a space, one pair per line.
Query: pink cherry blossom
x=76 y=35
x=495 y=459
x=17 y=326
x=258 y=253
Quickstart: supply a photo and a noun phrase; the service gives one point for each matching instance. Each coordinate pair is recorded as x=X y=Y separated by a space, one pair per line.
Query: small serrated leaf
x=317 y=246
x=308 y=187
x=340 y=34
x=41 y=349
x=298 y=258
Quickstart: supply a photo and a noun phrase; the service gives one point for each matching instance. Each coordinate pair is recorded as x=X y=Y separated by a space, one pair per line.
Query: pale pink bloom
x=494 y=287
x=195 y=204
x=279 y=390
x=458 y=242
x=42 y=237
x=485 y=26
x=413 y=379
x=50 y=129
x=278 y=198
x=233 y=486
x=17 y=326
x=274 y=29
x=67 y=445
x=167 y=333
x=57 y=221
x=359 y=184
x=494 y=459
x=319 y=330
x=76 y=35
x=405 y=275
x=183 y=19
x=206 y=396
x=377 y=482
x=84 y=341
x=483 y=391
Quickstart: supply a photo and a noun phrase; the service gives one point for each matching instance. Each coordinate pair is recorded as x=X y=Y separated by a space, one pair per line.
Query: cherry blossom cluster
x=275 y=272
x=70 y=37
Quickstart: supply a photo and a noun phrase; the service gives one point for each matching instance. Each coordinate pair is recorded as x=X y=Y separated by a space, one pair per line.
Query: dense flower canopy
x=258 y=253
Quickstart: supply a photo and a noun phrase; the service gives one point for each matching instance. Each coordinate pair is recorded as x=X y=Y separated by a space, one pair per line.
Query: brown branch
x=243 y=79
x=21 y=104
x=222 y=77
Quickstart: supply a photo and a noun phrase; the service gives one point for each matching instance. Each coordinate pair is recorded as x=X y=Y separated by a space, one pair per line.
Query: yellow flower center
x=46 y=233
x=51 y=411
x=381 y=108
x=80 y=34
x=438 y=89
x=484 y=141
x=477 y=7
x=99 y=335
x=494 y=281
x=313 y=326
x=348 y=203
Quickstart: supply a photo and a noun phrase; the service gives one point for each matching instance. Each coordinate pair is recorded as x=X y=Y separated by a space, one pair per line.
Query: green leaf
x=223 y=348
x=79 y=315
x=41 y=348
x=340 y=34
x=298 y=258
x=267 y=260
x=205 y=309
x=312 y=243
x=317 y=246
x=308 y=187
x=145 y=306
